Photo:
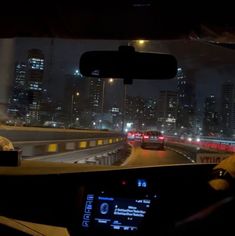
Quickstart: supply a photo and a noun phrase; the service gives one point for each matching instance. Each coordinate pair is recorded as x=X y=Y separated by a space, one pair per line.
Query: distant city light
x=76 y=72
x=111 y=80
x=115 y=109
x=128 y=125
x=189 y=139
x=198 y=139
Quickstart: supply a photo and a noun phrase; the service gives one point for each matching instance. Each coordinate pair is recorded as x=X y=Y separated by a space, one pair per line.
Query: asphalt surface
x=139 y=156
x=150 y=157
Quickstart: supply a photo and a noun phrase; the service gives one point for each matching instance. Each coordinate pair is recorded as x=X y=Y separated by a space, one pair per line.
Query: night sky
x=208 y=65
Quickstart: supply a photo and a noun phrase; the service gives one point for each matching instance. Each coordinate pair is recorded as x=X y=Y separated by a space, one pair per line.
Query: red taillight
x=161 y=138
x=146 y=136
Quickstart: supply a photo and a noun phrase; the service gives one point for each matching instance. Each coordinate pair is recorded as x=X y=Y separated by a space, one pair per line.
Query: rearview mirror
x=128 y=64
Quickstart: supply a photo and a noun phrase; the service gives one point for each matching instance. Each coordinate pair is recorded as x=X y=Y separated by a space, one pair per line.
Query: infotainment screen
x=106 y=212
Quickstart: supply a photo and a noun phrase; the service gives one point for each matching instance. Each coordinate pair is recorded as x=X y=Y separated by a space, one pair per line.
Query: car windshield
x=52 y=113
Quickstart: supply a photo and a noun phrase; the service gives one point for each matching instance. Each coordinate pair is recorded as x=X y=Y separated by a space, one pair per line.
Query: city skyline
x=171 y=111
x=96 y=98
x=204 y=63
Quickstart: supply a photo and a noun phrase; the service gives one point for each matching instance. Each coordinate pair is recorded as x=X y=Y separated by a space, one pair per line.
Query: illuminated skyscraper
x=135 y=111
x=228 y=108
x=167 y=110
x=211 y=119
x=150 y=113
x=17 y=108
x=186 y=101
x=96 y=95
x=76 y=98
x=34 y=80
x=20 y=75
x=7 y=49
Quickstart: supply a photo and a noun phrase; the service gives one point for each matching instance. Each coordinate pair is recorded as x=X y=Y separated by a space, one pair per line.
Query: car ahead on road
x=153 y=139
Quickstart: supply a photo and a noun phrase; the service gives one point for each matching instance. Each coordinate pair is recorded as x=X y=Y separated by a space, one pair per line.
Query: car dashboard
x=124 y=201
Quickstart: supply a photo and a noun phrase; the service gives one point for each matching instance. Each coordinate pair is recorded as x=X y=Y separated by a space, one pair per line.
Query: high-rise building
x=76 y=98
x=211 y=119
x=7 y=48
x=34 y=80
x=186 y=102
x=150 y=112
x=228 y=108
x=135 y=111
x=167 y=110
x=96 y=94
x=17 y=107
x=46 y=107
x=116 y=117
x=20 y=75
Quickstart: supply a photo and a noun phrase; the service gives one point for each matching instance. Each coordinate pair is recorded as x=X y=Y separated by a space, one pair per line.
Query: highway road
x=139 y=157
x=146 y=157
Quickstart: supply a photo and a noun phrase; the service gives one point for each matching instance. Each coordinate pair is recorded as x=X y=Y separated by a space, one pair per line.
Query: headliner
x=128 y=20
